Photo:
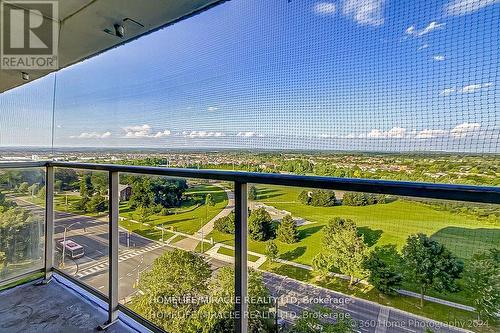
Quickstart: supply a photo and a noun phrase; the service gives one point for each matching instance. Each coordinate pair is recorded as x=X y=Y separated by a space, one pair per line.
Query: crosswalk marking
x=125 y=255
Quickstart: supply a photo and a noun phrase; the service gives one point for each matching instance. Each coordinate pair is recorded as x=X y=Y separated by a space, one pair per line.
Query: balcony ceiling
x=82 y=25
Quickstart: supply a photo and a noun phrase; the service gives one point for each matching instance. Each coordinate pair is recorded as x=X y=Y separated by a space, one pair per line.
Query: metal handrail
x=472 y=193
x=482 y=194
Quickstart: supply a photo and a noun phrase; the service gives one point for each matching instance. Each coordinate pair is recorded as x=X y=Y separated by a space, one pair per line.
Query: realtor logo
x=29 y=34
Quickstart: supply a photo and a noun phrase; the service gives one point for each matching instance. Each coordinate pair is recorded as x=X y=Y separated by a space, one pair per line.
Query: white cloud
x=469 y=89
x=464 y=129
x=472 y=88
x=325 y=8
x=423 y=47
x=430 y=133
x=212 y=108
x=144 y=131
x=438 y=57
x=366 y=12
x=246 y=134
x=410 y=30
x=141 y=131
x=395 y=132
x=447 y=91
x=463 y=7
x=202 y=134
x=162 y=134
x=413 y=31
x=92 y=135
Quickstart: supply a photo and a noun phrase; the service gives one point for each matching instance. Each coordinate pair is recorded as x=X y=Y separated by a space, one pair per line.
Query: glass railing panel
x=346 y=258
x=81 y=226
x=22 y=226
x=170 y=269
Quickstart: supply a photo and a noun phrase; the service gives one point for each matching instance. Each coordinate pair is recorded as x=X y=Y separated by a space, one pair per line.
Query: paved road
x=294 y=296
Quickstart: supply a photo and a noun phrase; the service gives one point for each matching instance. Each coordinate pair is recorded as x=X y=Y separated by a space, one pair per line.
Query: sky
x=370 y=75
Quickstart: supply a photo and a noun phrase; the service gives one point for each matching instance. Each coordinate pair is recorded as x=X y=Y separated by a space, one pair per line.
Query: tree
x=209 y=200
x=225 y=224
x=319 y=198
x=209 y=307
x=252 y=193
x=272 y=251
x=41 y=193
x=321 y=265
x=19 y=235
x=218 y=316
x=287 y=230
x=362 y=199
x=344 y=247
x=58 y=185
x=260 y=225
x=431 y=265
x=142 y=214
x=67 y=177
x=383 y=274
x=23 y=187
x=168 y=191
x=173 y=276
x=309 y=322
x=149 y=192
x=304 y=197
x=96 y=204
x=323 y=198
x=86 y=188
x=482 y=278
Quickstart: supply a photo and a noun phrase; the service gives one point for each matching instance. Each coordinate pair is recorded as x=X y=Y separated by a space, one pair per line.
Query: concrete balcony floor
x=51 y=308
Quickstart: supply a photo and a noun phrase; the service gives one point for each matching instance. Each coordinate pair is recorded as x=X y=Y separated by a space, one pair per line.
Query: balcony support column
x=49 y=224
x=241 y=249
x=113 y=243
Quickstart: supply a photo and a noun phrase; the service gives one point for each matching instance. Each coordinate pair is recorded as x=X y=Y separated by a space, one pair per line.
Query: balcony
x=96 y=290
x=253 y=166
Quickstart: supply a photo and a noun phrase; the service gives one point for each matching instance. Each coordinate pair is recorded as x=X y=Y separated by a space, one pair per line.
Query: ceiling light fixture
x=119 y=30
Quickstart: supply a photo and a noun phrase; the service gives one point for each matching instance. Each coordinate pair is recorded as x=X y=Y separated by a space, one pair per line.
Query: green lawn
x=380 y=224
x=188 y=218
x=230 y=252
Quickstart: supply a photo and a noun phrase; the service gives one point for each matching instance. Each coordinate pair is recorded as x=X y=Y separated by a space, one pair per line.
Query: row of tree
x=423 y=262
x=326 y=198
x=261 y=226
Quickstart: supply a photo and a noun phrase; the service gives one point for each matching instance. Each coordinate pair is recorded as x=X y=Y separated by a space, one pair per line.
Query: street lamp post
x=64 y=242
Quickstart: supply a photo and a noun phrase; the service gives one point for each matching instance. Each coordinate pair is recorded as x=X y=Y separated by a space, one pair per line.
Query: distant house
x=125 y=192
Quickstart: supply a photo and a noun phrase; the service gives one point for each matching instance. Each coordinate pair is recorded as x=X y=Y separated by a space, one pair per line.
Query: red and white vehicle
x=71 y=249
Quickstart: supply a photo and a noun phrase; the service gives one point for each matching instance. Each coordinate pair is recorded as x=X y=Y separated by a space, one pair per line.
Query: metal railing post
x=113 y=242
x=241 y=249
x=49 y=223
